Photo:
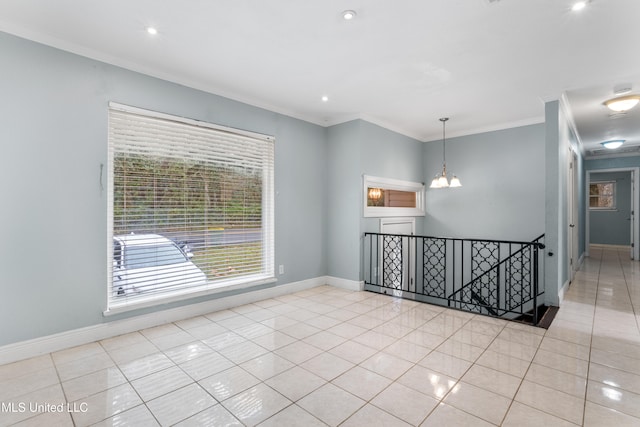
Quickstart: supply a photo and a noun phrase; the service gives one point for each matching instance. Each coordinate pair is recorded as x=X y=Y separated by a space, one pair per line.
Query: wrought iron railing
x=493 y=277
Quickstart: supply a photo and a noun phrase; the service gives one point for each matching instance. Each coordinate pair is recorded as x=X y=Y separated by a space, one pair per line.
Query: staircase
x=491 y=277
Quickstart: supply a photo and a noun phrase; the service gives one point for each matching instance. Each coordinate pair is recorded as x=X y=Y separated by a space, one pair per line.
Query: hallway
x=595 y=335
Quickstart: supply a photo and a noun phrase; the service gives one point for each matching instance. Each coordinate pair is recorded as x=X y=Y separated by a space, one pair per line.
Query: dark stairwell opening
x=495 y=278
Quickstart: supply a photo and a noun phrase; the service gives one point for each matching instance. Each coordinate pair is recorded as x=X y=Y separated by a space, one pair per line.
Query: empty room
x=319 y=213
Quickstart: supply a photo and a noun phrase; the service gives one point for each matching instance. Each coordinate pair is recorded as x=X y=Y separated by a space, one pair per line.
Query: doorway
x=573 y=250
x=612 y=203
x=397 y=252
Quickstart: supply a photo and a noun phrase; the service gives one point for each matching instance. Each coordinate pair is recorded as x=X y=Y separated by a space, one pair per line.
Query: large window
x=190 y=208
x=602 y=195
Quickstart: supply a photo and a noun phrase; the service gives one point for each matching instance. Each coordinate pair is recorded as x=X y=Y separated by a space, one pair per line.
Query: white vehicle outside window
x=149 y=262
x=179 y=186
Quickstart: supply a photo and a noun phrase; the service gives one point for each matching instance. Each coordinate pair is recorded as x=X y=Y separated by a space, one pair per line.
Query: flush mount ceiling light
x=152 y=30
x=348 y=15
x=325 y=98
x=623 y=103
x=441 y=181
x=613 y=144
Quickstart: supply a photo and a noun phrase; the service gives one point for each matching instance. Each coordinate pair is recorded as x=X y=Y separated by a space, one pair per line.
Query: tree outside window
x=602 y=195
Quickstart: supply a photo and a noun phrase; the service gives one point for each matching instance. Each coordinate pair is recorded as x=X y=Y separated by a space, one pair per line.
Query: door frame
x=409 y=253
x=573 y=234
x=635 y=209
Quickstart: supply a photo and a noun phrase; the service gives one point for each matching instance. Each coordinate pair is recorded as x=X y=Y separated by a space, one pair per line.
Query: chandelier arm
x=441 y=181
x=444 y=141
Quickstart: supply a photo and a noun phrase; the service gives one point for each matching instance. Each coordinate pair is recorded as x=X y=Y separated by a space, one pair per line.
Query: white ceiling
x=486 y=64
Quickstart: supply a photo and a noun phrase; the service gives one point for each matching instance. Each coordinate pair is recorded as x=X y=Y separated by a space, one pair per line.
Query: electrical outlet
x=281 y=269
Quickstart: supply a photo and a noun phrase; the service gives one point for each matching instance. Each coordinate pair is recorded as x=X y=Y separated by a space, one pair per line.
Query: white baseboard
x=581 y=260
x=563 y=290
x=51 y=343
x=350 y=285
x=607 y=246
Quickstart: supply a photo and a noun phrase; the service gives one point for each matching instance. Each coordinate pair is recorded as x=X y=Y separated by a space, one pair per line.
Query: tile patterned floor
x=331 y=357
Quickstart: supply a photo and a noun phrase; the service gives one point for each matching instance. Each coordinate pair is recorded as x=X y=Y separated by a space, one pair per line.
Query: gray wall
x=503 y=185
x=343 y=200
x=626 y=162
x=387 y=154
x=559 y=138
x=54 y=212
x=612 y=163
x=53 y=267
x=355 y=149
x=612 y=227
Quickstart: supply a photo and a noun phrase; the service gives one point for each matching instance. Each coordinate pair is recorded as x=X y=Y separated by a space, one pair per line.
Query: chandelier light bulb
x=441 y=180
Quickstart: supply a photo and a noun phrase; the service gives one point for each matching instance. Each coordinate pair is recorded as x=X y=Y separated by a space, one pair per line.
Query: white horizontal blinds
x=210 y=191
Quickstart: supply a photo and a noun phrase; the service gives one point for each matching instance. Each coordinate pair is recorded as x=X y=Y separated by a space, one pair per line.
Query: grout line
x=513 y=399
x=633 y=308
x=593 y=323
x=372 y=307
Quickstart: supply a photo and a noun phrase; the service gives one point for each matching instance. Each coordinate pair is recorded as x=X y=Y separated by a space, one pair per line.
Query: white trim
x=147 y=133
x=223 y=92
x=390 y=221
x=408 y=251
x=369 y=181
x=51 y=343
x=635 y=176
x=486 y=129
x=563 y=290
x=568 y=113
x=385 y=124
x=172 y=117
x=607 y=246
x=214 y=89
x=349 y=285
x=216 y=288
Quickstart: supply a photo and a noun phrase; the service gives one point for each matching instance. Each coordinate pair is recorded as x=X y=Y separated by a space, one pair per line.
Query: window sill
x=210 y=289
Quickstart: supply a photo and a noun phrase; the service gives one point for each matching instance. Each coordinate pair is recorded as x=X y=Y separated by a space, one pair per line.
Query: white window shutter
x=201 y=188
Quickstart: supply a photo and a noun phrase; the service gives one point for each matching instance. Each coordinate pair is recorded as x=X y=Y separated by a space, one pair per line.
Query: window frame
x=369 y=181
x=614 y=206
x=267 y=272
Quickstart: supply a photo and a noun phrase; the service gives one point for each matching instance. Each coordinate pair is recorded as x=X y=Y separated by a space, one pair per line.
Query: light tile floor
x=331 y=357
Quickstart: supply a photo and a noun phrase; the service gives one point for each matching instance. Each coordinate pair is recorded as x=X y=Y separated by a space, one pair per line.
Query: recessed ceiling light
x=152 y=30
x=325 y=98
x=579 y=5
x=613 y=144
x=348 y=15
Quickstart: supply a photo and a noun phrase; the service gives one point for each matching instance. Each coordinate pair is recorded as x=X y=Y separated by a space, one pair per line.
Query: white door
x=632 y=214
x=397 y=254
x=572 y=205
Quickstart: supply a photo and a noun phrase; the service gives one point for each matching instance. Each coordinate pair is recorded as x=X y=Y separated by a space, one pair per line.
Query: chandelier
x=441 y=180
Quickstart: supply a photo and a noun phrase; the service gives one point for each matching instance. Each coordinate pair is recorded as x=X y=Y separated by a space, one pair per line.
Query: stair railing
x=526 y=284
x=493 y=277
